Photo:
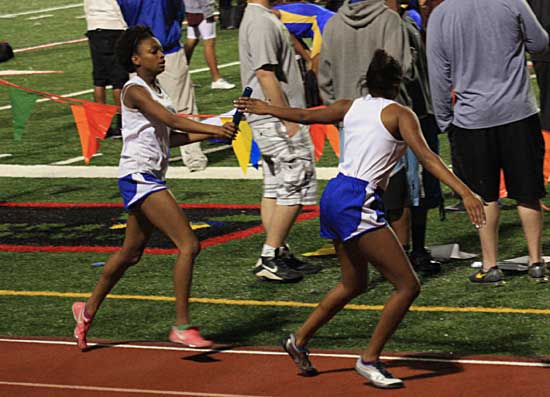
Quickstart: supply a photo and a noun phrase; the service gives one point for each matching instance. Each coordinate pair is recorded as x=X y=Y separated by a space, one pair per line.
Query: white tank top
x=369 y=150
x=146 y=142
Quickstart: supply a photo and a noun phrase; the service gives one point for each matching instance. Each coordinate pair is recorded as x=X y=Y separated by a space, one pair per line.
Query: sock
x=268 y=251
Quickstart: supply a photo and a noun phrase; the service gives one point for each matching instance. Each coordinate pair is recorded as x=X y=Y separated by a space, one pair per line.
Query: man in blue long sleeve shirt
x=477 y=48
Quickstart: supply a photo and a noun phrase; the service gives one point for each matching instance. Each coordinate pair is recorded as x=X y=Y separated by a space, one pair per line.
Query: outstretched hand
x=474 y=206
x=227 y=131
x=250 y=105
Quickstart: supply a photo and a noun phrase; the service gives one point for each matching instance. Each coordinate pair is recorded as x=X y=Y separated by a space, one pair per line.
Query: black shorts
x=516 y=148
x=106 y=69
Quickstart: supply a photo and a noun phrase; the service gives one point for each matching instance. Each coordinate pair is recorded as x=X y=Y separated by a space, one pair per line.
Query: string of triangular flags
x=93 y=120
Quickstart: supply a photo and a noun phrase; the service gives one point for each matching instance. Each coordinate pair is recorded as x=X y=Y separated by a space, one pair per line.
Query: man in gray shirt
x=477 y=48
x=269 y=67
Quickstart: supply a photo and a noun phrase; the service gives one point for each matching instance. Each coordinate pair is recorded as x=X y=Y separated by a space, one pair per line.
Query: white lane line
x=42 y=10
x=5 y=155
x=275 y=353
x=225 y=65
x=84 y=171
x=122 y=390
x=49 y=45
x=74 y=159
x=40 y=17
x=83 y=92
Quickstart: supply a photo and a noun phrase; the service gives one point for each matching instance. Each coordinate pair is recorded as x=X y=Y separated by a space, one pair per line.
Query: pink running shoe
x=82 y=324
x=190 y=337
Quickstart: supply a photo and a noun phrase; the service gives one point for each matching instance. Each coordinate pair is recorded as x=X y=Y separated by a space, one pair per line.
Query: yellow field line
x=237 y=302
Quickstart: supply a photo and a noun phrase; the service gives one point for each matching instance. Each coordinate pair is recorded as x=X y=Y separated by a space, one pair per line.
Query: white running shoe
x=221 y=84
x=378 y=375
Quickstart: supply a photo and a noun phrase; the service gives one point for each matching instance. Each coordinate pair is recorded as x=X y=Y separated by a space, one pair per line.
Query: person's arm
x=534 y=34
x=137 y=97
x=273 y=92
x=328 y=115
x=439 y=74
x=410 y=131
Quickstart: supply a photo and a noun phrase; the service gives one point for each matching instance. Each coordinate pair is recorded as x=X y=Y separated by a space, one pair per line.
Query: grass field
x=37 y=288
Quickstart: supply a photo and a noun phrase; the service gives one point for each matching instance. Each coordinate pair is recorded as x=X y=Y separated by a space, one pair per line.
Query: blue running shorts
x=350 y=208
x=135 y=187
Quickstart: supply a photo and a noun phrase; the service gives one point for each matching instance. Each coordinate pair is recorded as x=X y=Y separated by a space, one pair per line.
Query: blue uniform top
x=305 y=20
x=164 y=17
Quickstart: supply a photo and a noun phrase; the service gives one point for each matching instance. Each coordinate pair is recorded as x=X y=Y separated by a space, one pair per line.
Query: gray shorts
x=287 y=163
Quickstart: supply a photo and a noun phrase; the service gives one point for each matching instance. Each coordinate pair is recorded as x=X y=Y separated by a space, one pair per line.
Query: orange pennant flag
x=317 y=133
x=99 y=116
x=333 y=138
x=81 y=120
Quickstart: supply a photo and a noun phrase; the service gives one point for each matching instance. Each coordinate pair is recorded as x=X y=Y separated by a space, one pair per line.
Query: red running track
x=57 y=368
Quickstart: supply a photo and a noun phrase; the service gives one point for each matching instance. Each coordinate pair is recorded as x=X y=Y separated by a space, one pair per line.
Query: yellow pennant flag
x=242 y=145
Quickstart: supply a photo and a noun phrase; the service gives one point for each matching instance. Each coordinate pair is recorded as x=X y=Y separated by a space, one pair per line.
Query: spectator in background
x=350 y=40
x=165 y=18
x=424 y=189
x=201 y=24
x=231 y=15
x=105 y=24
x=306 y=21
x=494 y=124
x=541 y=62
x=269 y=67
x=426 y=8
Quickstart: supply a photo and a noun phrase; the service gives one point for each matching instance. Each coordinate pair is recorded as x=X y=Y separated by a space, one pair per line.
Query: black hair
x=383 y=76
x=127 y=44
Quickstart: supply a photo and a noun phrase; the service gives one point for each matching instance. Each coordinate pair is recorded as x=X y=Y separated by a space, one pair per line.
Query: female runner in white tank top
x=376 y=132
x=148 y=124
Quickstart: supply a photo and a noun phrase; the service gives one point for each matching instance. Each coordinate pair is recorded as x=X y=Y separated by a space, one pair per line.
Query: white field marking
x=42 y=10
x=274 y=353
x=80 y=17
x=83 y=92
x=207 y=151
x=40 y=17
x=85 y=171
x=122 y=390
x=74 y=159
x=28 y=72
x=70 y=95
x=49 y=45
x=5 y=155
x=225 y=65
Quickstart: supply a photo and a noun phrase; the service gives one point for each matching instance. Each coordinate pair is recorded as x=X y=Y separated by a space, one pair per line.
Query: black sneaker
x=422 y=261
x=300 y=356
x=276 y=269
x=297 y=264
x=537 y=270
x=493 y=275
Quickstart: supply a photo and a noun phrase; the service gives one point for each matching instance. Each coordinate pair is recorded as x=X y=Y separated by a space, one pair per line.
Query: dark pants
x=542 y=70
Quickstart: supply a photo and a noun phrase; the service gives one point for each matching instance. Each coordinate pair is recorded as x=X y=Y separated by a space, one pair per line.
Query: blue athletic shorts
x=135 y=187
x=350 y=208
